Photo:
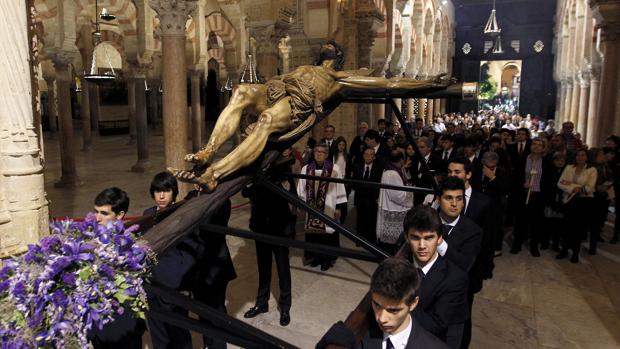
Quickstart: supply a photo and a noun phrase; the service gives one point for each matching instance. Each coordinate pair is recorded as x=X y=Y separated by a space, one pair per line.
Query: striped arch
x=220 y=25
x=218 y=55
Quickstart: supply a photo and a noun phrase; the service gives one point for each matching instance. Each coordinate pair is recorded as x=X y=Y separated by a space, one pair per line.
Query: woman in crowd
x=603 y=194
x=342 y=160
x=393 y=204
x=554 y=216
x=408 y=169
x=578 y=182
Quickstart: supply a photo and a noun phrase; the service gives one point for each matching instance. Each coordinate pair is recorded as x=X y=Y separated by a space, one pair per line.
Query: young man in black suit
x=373 y=140
x=443 y=308
x=447 y=152
x=496 y=184
x=394 y=295
x=330 y=140
x=365 y=201
x=478 y=207
x=419 y=178
x=461 y=235
x=517 y=153
x=358 y=144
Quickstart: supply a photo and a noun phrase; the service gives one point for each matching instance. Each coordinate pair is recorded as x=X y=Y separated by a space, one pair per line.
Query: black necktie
x=520 y=148
x=446 y=229
x=445 y=155
x=421 y=273
x=367 y=173
x=388 y=344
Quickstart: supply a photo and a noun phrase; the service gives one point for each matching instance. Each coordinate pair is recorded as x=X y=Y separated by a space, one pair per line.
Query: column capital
x=583 y=77
x=62 y=59
x=173 y=15
x=607 y=14
x=267 y=35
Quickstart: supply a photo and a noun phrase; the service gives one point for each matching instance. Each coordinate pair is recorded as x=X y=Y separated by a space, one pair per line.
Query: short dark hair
x=381 y=121
x=422 y=218
x=115 y=197
x=164 y=181
x=463 y=161
x=372 y=134
x=419 y=119
x=330 y=126
x=395 y=279
x=451 y=183
x=396 y=156
x=446 y=137
x=526 y=130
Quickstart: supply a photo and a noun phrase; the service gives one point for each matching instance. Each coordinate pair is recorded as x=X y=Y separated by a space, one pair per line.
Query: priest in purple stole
x=324 y=197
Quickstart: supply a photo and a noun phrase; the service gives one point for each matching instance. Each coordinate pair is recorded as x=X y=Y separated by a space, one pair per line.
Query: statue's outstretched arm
x=393 y=86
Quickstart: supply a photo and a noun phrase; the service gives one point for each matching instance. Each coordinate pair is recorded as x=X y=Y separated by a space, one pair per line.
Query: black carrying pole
x=288 y=242
x=357 y=183
x=297 y=201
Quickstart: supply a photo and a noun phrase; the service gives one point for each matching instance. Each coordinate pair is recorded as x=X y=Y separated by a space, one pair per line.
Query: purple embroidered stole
x=317 y=199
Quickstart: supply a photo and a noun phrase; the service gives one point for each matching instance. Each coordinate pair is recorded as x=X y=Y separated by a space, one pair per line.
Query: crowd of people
x=475 y=175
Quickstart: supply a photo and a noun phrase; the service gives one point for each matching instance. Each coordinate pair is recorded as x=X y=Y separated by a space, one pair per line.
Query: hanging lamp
x=249 y=75
x=228 y=86
x=492 y=28
x=497 y=47
x=93 y=75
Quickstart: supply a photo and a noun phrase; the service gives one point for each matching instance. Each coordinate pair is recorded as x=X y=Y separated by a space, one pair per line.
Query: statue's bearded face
x=328 y=52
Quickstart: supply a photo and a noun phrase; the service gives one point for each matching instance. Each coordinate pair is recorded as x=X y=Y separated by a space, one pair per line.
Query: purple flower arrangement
x=72 y=281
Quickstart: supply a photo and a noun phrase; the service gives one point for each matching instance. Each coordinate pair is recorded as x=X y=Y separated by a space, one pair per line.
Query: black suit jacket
x=517 y=162
x=476 y=174
x=356 y=148
x=333 y=149
x=339 y=334
x=480 y=210
x=441 y=165
x=464 y=243
x=364 y=194
x=383 y=153
x=443 y=298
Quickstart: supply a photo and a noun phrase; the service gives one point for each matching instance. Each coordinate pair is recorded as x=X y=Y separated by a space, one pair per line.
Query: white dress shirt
x=400 y=339
x=443 y=247
x=428 y=266
x=467 y=196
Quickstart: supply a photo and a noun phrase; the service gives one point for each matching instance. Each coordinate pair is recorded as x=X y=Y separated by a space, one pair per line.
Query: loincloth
x=302 y=99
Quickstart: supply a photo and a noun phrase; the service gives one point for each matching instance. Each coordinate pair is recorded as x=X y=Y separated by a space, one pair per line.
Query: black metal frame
x=360 y=184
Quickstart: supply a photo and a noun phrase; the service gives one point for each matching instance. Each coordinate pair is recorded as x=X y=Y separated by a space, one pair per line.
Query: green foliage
x=488 y=87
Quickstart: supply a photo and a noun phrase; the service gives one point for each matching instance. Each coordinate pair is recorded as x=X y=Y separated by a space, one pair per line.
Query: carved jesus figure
x=290 y=105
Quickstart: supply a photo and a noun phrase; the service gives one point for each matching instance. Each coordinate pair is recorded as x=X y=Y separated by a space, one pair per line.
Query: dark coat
x=479 y=210
x=517 y=162
x=464 y=243
x=443 y=298
x=363 y=193
x=340 y=335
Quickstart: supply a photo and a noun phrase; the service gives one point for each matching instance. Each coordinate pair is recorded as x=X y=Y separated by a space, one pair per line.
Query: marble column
x=267 y=38
x=366 y=33
x=429 y=110
x=197 y=127
x=607 y=15
x=584 y=94
x=141 y=125
x=173 y=16
x=68 y=176
x=399 y=104
x=23 y=206
x=422 y=110
x=574 y=104
x=567 y=100
x=95 y=108
x=51 y=106
x=131 y=101
x=592 y=108
x=87 y=133
x=437 y=106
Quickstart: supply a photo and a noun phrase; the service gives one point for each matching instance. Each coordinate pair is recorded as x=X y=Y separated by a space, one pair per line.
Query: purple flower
x=43 y=338
x=78 y=250
x=123 y=242
x=68 y=278
x=4 y=285
x=48 y=243
x=106 y=270
x=34 y=254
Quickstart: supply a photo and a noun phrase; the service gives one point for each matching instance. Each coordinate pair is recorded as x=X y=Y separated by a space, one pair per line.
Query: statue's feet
x=208 y=180
x=196 y=159
x=184 y=176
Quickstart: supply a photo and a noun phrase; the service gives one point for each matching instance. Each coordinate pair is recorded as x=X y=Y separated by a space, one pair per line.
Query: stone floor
x=530 y=302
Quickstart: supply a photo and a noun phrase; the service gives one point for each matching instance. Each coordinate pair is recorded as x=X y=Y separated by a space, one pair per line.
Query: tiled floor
x=530 y=302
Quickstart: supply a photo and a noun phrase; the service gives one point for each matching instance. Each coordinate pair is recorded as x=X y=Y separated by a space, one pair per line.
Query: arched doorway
x=212 y=97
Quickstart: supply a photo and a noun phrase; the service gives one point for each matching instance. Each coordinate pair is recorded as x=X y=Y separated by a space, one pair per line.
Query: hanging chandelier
x=249 y=75
x=492 y=28
x=228 y=86
x=93 y=75
x=497 y=47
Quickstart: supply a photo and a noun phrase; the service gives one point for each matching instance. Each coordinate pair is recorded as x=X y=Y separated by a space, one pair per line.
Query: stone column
x=51 y=105
x=267 y=38
x=153 y=102
x=560 y=115
x=68 y=176
x=574 y=104
x=584 y=94
x=23 y=207
x=85 y=114
x=366 y=33
x=410 y=108
x=399 y=104
x=607 y=14
x=422 y=109
x=95 y=108
x=173 y=16
x=429 y=111
x=592 y=107
x=567 y=100
x=131 y=101
x=141 y=126
x=197 y=123
x=437 y=106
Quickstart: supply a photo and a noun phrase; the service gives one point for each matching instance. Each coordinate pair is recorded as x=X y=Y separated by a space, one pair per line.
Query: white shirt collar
x=471 y=158
x=376 y=148
x=454 y=222
x=427 y=157
x=467 y=197
x=400 y=339
x=428 y=266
